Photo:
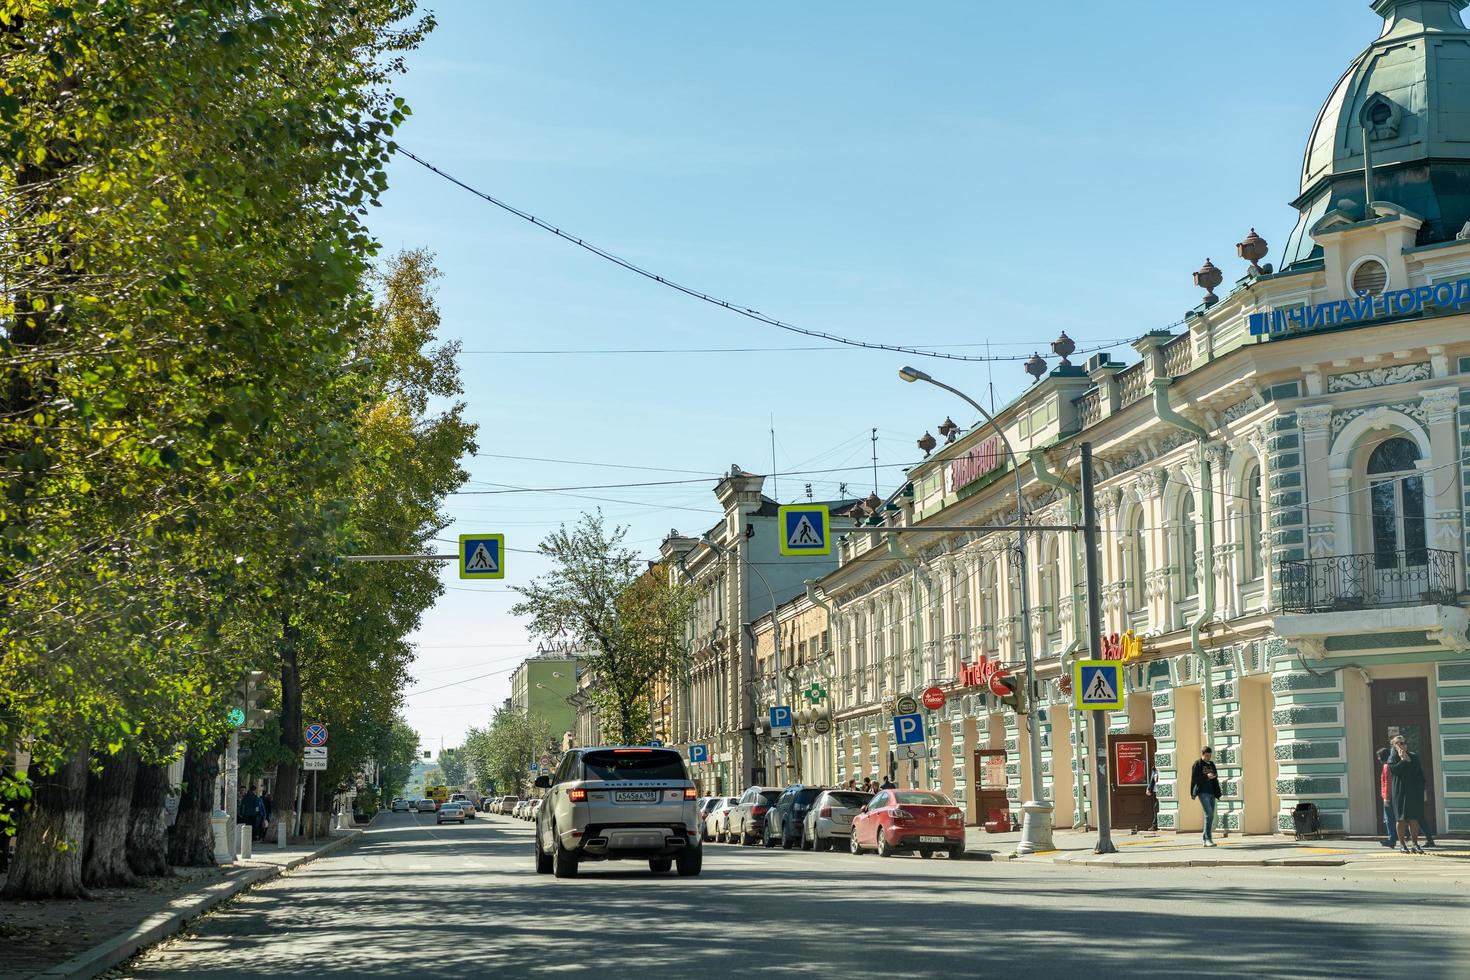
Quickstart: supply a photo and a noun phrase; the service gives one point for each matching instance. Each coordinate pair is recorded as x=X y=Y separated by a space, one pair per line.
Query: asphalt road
x=413 y=899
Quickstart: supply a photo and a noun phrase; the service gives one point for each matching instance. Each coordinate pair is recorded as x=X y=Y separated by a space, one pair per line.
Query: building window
x=1186 y=546
x=1371 y=277
x=1135 y=559
x=1051 y=584
x=1397 y=492
x=1255 y=558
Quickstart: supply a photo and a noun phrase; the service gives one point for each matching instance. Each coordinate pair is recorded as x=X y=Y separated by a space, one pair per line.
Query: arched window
x=1397 y=492
x=1251 y=526
x=989 y=604
x=1134 y=559
x=1051 y=583
x=1186 y=546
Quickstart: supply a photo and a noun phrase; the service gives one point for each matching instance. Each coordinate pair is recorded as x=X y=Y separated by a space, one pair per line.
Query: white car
x=717 y=819
x=624 y=803
x=466 y=804
x=402 y=806
x=450 y=811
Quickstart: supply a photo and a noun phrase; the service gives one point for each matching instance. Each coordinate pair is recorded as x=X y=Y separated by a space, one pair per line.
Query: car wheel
x=853 y=846
x=690 y=861
x=766 y=838
x=957 y=852
x=926 y=853
x=563 y=861
x=660 y=865
x=543 y=860
x=787 y=843
x=820 y=844
x=885 y=850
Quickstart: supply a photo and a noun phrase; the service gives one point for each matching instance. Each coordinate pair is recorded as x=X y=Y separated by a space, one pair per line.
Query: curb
x=159 y=926
x=1103 y=861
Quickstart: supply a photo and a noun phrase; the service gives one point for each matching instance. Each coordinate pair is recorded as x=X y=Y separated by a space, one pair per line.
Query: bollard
x=247 y=841
x=219 y=824
x=280 y=833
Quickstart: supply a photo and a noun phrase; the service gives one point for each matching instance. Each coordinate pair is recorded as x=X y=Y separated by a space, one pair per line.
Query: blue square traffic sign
x=1097 y=685
x=781 y=718
x=805 y=529
x=482 y=556
x=699 y=754
x=908 y=729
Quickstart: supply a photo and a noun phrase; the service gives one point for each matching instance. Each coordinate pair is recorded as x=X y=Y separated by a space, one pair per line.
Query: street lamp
x=775 y=610
x=1036 y=830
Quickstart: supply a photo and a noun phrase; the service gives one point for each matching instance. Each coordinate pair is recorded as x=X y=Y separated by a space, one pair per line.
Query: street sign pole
x=1094 y=640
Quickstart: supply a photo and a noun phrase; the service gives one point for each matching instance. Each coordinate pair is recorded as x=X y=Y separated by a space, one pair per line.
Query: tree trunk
x=147 y=843
x=109 y=806
x=48 y=849
x=288 y=770
x=192 y=844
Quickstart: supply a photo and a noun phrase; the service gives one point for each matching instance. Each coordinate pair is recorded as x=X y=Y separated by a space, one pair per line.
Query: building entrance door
x=1401 y=707
x=992 y=804
x=1130 y=758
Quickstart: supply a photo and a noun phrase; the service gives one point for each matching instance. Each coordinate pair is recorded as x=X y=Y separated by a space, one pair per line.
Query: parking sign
x=781 y=719
x=698 y=754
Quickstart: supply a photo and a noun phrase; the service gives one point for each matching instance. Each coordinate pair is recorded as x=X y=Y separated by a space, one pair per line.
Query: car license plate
x=636 y=796
x=931 y=840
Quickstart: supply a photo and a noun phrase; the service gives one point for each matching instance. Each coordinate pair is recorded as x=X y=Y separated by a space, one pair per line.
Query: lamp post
x=1037 y=828
x=775 y=611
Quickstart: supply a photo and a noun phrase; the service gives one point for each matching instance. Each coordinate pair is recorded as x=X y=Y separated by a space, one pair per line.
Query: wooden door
x=992 y=805
x=1401 y=707
x=1130 y=759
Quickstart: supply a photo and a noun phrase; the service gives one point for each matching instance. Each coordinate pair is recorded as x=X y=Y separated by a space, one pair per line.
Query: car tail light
x=902 y=815
x=577 y=795
x=826 y=811
x=758 y=810
x=690 y=793
x=956 y=817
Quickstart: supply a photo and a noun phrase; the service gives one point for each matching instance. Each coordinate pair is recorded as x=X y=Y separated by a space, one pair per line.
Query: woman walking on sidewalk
x=1385 y=793
x=1408 y=793
x=1204 y=785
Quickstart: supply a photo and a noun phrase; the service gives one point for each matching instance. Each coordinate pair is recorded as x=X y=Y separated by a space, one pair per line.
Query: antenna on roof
x=875 y=462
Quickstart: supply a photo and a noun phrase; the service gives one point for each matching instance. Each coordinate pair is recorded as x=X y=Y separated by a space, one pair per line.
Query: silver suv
x=609 y=804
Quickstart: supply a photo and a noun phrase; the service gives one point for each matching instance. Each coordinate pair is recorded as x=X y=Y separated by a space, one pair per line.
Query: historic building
x=1283 y=491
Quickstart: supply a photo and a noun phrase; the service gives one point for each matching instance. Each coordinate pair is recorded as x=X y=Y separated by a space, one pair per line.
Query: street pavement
x=415 y=899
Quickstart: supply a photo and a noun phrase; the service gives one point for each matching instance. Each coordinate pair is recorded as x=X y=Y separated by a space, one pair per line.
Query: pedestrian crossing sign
x=482 y=556
x=1097 y=685
x=805 y=529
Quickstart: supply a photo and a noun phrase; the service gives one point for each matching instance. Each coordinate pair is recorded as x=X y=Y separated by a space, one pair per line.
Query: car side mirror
x=543 y=782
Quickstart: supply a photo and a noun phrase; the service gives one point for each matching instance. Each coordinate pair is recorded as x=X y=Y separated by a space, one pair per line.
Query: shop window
x=1396 y=490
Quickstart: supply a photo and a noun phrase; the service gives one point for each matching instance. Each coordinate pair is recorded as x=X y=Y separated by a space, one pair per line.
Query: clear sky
x=976 y=175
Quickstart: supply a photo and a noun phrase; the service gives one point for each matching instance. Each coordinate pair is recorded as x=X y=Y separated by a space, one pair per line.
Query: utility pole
x=1101 y=782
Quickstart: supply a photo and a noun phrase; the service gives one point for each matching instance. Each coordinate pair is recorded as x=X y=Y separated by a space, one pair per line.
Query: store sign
x=978 y=462
x=983 y=673
x=1127 y=647
x=561 y=647
x=1448 y=296
x=1130 y=763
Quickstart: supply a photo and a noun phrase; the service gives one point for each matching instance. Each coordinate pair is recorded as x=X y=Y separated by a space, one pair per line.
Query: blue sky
x=939 y=173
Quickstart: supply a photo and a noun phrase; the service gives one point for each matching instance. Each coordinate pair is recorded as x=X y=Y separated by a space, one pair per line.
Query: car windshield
x=851 y=800
x=625 y=764
x=805 y=797
x=771 y=795
x=923 y=799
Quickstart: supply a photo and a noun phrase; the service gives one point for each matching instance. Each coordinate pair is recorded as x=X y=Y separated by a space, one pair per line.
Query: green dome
x=1415 y=82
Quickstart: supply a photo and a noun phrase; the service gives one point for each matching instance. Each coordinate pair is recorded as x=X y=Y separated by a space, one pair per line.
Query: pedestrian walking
x=267 y=810
x=1408 y=793
x=1153 y=795
x=1385 y=794
x=250 y=812
x=1204 y=785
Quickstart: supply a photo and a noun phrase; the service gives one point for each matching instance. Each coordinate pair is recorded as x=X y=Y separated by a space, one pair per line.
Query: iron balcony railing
x=1373 y=581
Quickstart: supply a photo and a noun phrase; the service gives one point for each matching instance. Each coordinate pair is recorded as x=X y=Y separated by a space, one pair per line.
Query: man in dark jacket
x=1204 y=785
x=250 y=812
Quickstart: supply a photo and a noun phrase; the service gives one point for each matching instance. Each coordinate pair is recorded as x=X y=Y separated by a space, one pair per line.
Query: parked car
x=623 y=803
x=748 y=819
x=899 y=821
x=786 y=820
x=402 y=805
x=450 y=811
x=533 y=809
x=519 y=810
x=426 y=806
x=704 y=805
x=829 y=821
x=468 y=806
x=506 y=805
x=717 y=821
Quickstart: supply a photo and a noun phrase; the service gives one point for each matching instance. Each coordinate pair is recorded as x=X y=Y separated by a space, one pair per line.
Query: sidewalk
x=65 y=939
x=1170 y=850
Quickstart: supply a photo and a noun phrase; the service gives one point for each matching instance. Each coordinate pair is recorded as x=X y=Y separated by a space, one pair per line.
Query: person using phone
x=1407 y=773
x=1204 y=785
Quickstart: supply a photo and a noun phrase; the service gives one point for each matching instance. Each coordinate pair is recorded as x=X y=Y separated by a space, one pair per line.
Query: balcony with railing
x=1381 y=580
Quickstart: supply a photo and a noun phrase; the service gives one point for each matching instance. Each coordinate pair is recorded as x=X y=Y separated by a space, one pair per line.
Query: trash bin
x=1306 y=821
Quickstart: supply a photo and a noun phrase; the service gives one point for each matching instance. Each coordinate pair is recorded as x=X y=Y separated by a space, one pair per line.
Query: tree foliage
x=629 y=616
x=503 y=752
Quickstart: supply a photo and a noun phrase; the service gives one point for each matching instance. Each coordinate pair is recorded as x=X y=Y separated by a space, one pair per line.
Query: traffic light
x=1015 y=699
x=247 y=699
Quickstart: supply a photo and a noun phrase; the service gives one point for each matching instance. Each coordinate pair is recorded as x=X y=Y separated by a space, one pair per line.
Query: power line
x=742 y=350
x=744 y=311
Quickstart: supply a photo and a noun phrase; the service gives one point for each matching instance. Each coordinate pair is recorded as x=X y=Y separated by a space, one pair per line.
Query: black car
x=748 y=817
x=786 y=821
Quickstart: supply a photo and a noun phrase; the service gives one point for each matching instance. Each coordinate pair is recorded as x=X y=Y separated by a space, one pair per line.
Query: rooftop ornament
x=949 y=430
x=1036 y=366
x=927 y=443
x=1064 y=347
x=1253 y=250
x=873 y=503
x=1207 y=278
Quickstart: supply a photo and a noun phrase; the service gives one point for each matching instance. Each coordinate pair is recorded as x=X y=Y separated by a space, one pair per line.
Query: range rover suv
x=619 y=803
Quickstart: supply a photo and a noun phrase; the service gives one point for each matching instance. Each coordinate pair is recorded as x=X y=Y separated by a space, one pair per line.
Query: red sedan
x=906 y=820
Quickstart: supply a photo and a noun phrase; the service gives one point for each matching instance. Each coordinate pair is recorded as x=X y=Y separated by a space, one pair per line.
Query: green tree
x=505 y=750
x=630 y=617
